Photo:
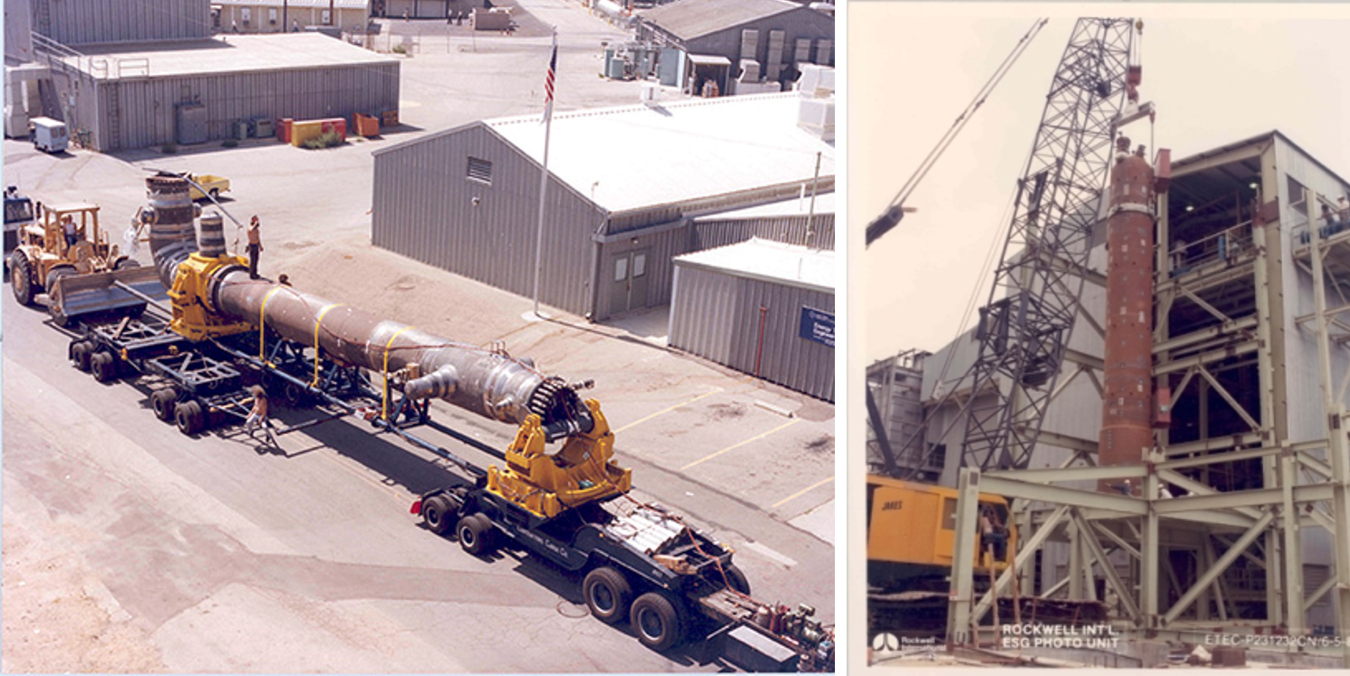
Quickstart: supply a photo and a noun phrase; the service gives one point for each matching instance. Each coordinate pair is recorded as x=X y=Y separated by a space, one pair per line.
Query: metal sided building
x=80 y=22
x=626 y=186
x=714 y=39
x=764 y=308
x=135 y=96
x=279 y=16
x=1238 y=346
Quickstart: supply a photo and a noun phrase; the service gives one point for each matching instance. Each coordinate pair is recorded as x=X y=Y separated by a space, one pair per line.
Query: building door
x=628 y=281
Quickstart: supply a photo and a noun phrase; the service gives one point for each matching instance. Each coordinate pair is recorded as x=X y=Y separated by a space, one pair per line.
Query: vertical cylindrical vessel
x=1127 y=402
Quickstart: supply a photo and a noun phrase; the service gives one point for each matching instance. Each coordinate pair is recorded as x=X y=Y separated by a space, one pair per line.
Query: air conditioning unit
x=817 y=117
x=650 y=94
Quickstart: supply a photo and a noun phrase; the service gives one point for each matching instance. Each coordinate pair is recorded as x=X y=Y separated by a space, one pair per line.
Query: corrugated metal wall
x=143 y=109
x=717 y=316
x=77 y=22
x=423 y=208
x=710 y=233
x=799 y=23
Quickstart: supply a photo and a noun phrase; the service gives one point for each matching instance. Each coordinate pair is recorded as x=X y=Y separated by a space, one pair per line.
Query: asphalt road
x=214 y=547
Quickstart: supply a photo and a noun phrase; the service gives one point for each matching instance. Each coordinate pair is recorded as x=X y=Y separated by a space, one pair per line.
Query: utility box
x=191 y=123
x=241 y=129
x=495 y=19
x=50 y=135
x=261 y=127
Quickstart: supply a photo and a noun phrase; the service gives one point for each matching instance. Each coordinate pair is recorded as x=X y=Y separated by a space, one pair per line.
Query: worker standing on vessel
x=254 y=247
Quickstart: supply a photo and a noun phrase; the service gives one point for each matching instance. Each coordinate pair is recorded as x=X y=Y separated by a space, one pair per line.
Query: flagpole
x=543 y=175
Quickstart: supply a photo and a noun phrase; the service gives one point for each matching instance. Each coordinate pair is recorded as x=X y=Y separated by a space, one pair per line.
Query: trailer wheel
x=293 y=395
x=658 y=621
x=163 y=402
x=80 y=351
x=188 y=417
x=475 y=534
x=736 y=579
x=607 y=593
x=104 y=366
x=124 y=263
x=438 y=514
x=21 y=278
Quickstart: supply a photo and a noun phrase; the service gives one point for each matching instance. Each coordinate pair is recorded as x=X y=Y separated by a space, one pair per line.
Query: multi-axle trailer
x=220 y=334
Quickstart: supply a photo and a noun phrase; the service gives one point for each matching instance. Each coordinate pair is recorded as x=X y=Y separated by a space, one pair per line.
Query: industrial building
x=138 y=95
x=726 y=42
x=761 y=307
x=82 y=22
x=626 y=188
x=1230 y=522
x=279 y=16
x=126 y=75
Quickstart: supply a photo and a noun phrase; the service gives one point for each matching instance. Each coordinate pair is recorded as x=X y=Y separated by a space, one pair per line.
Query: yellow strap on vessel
x=384 y=405
x=317 y=322
x=262 y=322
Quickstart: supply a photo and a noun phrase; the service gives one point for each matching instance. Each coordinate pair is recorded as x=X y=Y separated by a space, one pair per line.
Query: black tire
x=163 y=401
x=438 y=513
x=215 y=194
x=79 y=353
x=658 y=621
x=293 y=395
x=736 y=579
x=608 y=594
x=21 y=278
x=475 y=534
x=188 y=417
x=104 y=367
x=124 y=263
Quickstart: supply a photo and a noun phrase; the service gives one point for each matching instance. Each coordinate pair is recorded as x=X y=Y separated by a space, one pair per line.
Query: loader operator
x=992 y=534
x=68 y=227
x=254 y=247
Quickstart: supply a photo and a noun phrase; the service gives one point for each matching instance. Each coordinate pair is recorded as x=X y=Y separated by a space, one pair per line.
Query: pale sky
x=1218 y=74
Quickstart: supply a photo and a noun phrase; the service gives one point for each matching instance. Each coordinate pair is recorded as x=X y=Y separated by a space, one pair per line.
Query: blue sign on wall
x=817 y=325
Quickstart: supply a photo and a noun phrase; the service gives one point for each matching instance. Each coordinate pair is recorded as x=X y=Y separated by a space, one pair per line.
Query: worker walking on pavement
x=254 y=247
x=257 y=416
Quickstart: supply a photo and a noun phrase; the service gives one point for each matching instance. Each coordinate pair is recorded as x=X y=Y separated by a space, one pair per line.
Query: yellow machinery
x=911 y=532
x=546 y=485
x=43 y=256
x=191 y=316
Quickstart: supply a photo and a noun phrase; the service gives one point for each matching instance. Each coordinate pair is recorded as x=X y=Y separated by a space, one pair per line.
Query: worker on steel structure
x=1343 y=208
x=257 y=416
x=254 y=247
x=992 y=534
x=1333 y=224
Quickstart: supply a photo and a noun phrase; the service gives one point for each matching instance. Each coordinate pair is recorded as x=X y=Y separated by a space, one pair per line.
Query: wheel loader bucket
x=78 y=295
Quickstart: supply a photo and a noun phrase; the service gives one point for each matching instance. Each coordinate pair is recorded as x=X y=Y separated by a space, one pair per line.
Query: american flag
x=548 y=80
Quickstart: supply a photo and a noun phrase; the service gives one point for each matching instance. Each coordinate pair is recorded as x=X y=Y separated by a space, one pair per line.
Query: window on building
x=1296 y=195
x=620 y=269
x=480 y=170
x=271 y=15
x=246 y=13
x=639 y=264
x=326 y=17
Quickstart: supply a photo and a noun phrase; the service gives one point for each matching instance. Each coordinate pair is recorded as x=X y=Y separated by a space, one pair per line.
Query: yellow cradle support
x=582 y=471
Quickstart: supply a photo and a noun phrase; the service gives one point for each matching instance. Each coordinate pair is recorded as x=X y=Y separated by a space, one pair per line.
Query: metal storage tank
x=763 y=308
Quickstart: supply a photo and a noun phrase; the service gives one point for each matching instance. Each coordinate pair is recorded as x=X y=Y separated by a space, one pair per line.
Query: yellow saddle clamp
x=582 y=471
x=192 y=317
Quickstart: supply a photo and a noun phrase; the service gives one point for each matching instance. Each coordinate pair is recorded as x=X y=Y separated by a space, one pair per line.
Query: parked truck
x=49 y=135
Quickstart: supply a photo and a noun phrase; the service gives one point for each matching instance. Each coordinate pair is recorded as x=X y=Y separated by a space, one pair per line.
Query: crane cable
x=892 y=213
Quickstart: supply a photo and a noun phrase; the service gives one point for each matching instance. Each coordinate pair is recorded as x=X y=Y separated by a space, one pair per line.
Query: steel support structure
x=1305 y=484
